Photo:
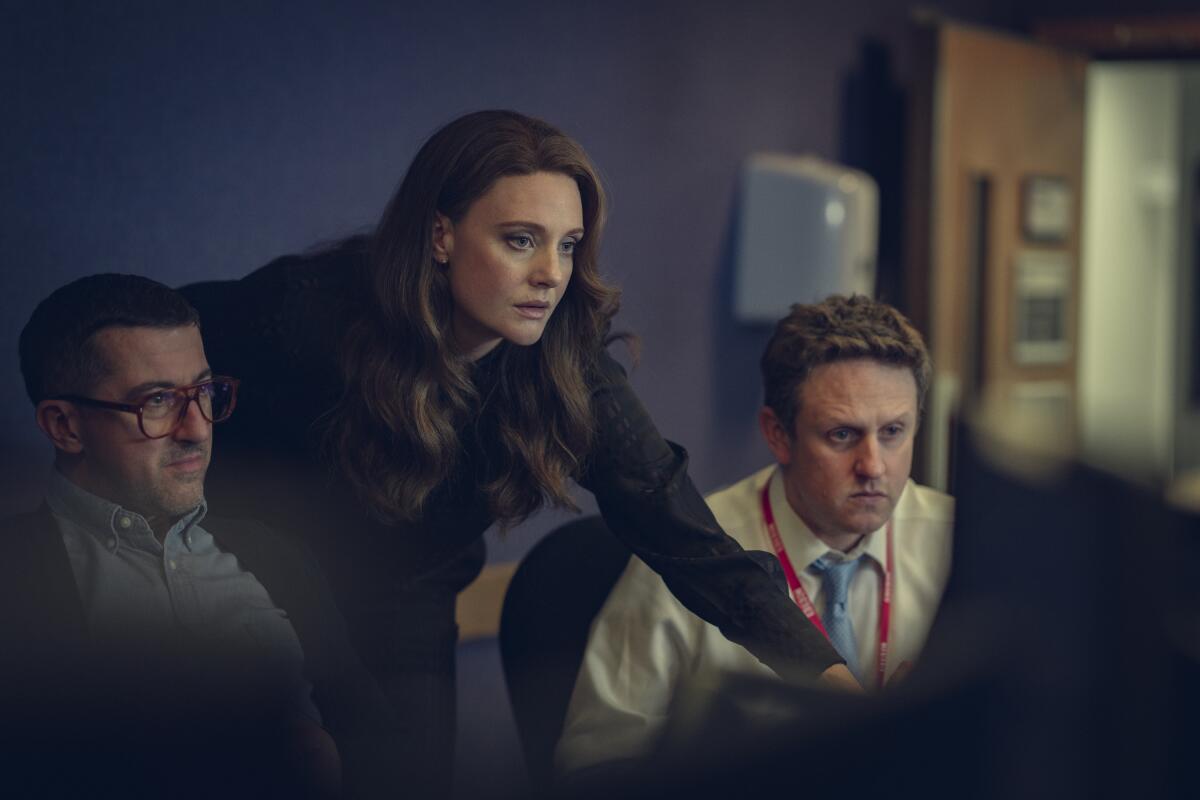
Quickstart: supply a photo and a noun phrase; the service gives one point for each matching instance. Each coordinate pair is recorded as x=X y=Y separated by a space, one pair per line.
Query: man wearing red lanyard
x=866 y=551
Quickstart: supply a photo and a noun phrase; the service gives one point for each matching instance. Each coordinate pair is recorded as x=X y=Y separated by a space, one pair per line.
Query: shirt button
x=173 y=564
x=125 y=522
x=112 y=544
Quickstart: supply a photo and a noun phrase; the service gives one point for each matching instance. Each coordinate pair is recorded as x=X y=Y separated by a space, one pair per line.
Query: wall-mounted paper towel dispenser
x=807 y=228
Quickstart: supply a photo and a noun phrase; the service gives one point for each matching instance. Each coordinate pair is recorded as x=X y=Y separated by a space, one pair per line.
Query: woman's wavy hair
x=409 y=400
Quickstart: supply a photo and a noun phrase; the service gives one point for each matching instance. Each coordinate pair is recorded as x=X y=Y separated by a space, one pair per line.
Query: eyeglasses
x=161 y=412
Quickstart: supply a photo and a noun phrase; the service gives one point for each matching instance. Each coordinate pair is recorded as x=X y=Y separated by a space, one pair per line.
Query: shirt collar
x=803 y=546
x=103 y=518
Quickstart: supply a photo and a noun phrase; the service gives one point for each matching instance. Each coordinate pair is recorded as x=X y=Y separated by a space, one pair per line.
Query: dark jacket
x=278 y=330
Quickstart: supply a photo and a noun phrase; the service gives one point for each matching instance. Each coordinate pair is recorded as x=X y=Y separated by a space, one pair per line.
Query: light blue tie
x=836 y=577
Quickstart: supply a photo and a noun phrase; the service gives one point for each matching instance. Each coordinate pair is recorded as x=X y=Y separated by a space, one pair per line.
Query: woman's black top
x=278 y=330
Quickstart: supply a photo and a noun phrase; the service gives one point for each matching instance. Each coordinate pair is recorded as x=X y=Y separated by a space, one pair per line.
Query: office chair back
x=554 y=595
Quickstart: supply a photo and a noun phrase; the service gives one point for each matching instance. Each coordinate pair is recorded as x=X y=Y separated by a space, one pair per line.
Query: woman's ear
x=443 y=238
x=59 y=420
x=778 y=437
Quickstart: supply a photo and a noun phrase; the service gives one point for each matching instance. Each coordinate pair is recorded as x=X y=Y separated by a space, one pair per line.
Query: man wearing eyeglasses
x=122 y=595
x=152 y=459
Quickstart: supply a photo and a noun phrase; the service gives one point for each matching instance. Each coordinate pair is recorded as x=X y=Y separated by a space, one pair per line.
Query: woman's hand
x=840 y=678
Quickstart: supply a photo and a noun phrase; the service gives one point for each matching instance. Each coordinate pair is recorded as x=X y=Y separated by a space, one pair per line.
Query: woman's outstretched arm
x=642 y=487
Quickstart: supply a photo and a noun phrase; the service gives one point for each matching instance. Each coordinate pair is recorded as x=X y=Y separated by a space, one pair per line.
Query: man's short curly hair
x=838 y=329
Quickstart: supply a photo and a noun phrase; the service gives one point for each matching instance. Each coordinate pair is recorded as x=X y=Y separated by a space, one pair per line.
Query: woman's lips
x=533 y=310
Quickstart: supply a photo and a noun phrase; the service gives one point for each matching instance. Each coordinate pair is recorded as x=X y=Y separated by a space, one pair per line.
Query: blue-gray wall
x=200 y=142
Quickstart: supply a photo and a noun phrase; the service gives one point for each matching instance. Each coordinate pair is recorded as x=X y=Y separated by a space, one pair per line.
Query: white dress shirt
x=644 y=644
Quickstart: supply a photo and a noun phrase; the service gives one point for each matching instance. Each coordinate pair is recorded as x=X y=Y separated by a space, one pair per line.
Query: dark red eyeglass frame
x=191 y=393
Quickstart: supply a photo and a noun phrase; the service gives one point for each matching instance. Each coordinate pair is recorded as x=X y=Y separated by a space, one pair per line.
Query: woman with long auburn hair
x=403 y=391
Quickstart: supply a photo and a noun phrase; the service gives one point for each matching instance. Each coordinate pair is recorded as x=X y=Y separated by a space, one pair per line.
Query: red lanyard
x=801 y=596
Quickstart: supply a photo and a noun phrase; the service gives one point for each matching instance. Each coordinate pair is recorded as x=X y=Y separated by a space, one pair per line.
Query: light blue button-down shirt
x=139 y=594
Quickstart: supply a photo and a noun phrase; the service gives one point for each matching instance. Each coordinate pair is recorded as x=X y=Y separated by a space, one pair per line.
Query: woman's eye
x=568 y=247
x=521 y=241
